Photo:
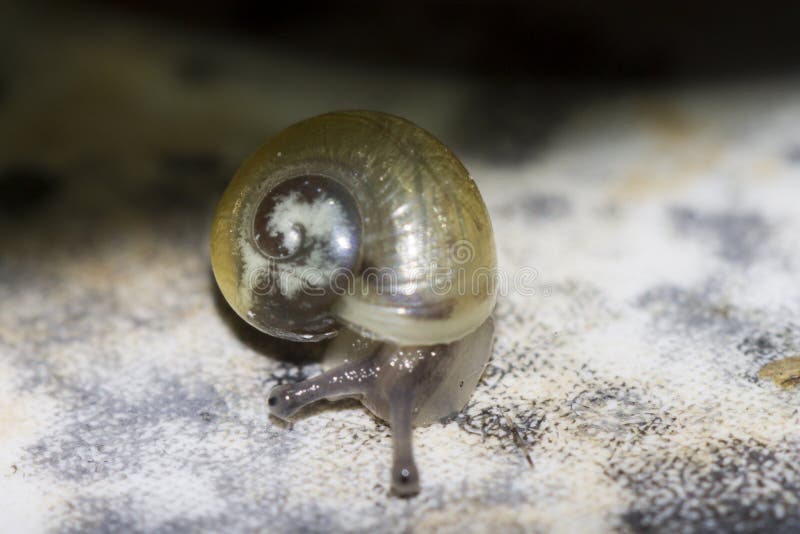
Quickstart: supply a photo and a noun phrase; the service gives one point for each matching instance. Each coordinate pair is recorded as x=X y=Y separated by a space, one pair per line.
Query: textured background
x=623 y=392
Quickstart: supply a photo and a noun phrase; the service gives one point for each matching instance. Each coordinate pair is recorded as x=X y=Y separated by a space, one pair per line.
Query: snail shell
x=363 y=225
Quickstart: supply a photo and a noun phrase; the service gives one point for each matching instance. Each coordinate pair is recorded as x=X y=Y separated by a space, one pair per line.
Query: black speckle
x=461 y=384
x=692 y=311
x=735 y=237
x=746 y=487
x=512 y=426
x=24 y=188
x=772 y=343
x=760 y=346
x=764 y=346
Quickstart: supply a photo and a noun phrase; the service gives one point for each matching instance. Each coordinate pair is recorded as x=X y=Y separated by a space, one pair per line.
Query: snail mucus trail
x=380 y=201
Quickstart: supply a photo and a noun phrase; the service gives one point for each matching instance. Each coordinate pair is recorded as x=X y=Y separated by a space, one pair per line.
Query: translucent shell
x=420 y=265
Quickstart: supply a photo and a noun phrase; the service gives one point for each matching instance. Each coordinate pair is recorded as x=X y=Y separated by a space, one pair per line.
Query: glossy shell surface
x=424 y=268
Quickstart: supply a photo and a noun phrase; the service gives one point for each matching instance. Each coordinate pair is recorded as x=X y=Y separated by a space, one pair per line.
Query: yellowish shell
x=425 y=270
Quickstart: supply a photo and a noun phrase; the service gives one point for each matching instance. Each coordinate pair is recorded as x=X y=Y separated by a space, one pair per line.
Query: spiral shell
x=424 y=268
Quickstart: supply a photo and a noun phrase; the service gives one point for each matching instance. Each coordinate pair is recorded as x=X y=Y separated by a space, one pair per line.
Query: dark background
x=93 y=135
x=577 y=40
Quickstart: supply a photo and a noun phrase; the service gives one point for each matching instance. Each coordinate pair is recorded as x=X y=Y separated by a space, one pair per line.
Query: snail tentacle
x=348 y=380
x=405 y=477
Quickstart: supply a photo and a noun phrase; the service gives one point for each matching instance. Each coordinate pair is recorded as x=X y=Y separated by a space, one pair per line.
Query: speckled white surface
x=660 y=230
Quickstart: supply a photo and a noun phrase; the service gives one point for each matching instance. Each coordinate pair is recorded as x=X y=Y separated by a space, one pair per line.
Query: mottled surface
x=623 y=392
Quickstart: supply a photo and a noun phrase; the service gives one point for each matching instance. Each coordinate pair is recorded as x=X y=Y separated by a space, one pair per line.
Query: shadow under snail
x=364 y=227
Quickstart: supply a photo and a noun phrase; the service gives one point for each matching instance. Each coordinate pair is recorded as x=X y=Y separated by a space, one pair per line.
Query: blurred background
x=131 y=112
x=642 y=155
x=134 y=113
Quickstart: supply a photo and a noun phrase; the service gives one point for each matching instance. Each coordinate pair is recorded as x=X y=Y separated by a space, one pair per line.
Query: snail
x=363 y=227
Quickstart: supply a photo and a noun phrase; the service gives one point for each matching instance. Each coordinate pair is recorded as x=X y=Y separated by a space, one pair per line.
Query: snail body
x=364 y=227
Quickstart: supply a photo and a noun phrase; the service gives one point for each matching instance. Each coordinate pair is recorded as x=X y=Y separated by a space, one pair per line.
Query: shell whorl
x=422 y=267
